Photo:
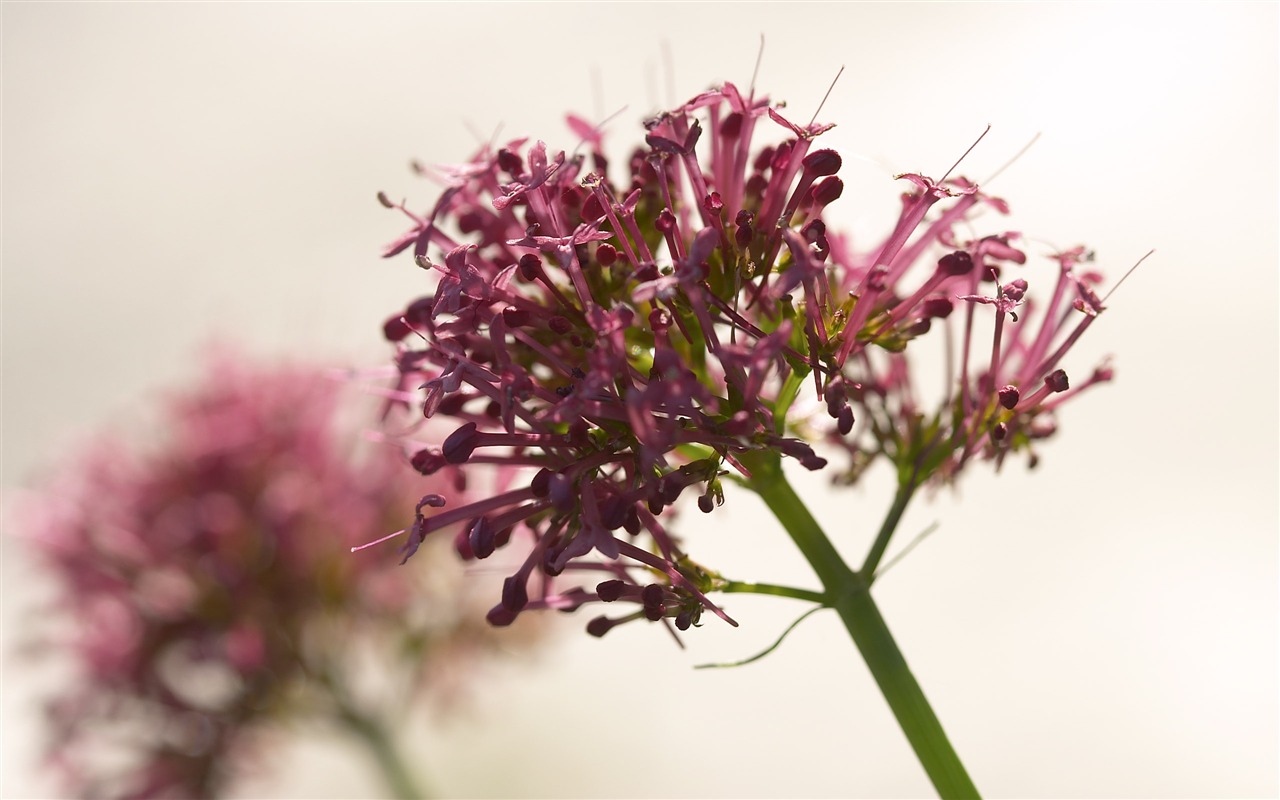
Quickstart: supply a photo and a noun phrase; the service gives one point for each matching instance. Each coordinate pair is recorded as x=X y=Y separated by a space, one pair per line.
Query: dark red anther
x=732 y=125
x=500 y=616
x=606 y=254
x=705 y=504
x=827 y=191
x=999 y=431
x=530 y=267
x=822 y=162
x=1057 y=381
x=1009 y=397
x=510 y=163
x=600 y=626
x=956 y=263
x=610 y=591
x=763 y=159
x=483 y=543
x=396 y=329
x=460 y=444
x=845 y=423
x=712 y=203
x=560 y=325
x=427 y=461
x=540 y=485
x=653 y=596
x=515 y=317
x=937 y=307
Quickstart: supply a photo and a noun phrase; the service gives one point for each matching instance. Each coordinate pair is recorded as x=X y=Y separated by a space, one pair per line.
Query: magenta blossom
x=606 y=341
x=210 y=588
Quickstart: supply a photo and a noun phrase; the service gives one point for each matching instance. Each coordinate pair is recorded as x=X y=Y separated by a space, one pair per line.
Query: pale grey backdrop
x=1106 y=627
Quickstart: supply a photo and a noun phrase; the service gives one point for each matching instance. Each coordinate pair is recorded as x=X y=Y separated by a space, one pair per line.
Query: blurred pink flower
x=211 y=590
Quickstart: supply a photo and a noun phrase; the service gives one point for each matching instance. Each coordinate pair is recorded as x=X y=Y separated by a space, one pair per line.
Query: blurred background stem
x=372 y=730
x=380 y=744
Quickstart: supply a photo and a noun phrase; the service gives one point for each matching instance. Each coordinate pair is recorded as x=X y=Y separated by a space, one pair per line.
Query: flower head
x=613 y=340
x=211 y=590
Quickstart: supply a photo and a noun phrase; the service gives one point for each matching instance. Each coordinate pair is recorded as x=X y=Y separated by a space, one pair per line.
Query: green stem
x=787 y=396
x=395 y=772
x=742 y=587
x=858 y=611
x=905 y=490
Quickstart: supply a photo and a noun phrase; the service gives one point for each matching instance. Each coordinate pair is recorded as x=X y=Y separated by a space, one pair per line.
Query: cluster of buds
x=604 y=346
x=210 y=590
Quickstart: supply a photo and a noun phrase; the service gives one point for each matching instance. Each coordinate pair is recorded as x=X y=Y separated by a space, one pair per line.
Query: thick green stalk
x=853 y=602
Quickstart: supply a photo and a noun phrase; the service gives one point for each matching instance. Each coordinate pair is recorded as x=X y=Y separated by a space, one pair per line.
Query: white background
x=1103 y=627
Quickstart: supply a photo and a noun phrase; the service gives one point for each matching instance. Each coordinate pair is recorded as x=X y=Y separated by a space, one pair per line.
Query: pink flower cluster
x=612 y=339
x=209 y=587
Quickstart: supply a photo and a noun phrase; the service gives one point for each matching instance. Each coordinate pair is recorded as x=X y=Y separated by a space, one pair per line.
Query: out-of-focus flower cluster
x=613 y=339
x=210 y=590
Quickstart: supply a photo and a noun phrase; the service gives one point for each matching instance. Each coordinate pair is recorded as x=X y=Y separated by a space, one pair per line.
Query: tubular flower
x=612 y=340
x=212 y=592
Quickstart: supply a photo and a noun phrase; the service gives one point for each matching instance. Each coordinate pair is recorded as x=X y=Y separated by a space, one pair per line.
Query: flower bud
x=610 y=591
x=1057 y=381
x=460 y=444
x=1009 y=397
x=956 y=263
